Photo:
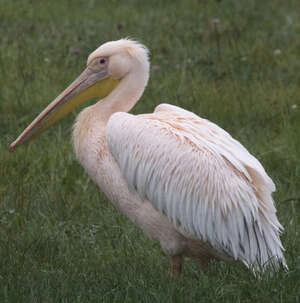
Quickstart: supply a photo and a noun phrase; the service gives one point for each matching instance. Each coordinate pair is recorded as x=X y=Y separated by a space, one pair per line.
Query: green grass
x=60 y=239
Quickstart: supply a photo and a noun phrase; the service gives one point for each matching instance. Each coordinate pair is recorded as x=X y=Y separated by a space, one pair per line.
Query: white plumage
x=182 y=179
x=202 y=179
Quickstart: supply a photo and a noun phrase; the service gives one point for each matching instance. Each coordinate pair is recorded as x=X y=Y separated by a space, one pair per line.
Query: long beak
x=88 y=85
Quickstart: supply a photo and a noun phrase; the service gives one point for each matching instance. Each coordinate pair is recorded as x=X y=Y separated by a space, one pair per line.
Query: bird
x=183 y=180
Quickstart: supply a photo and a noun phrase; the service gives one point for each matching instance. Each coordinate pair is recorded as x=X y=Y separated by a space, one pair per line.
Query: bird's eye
x=102 y=61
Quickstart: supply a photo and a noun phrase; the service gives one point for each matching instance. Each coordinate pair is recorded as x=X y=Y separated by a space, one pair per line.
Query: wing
x=206 y=182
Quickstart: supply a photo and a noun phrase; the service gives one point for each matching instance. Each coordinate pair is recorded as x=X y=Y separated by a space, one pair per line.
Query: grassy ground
x=234 y=62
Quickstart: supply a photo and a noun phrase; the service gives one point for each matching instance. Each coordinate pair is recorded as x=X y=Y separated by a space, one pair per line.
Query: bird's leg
x=203 y=262
x=175 y=266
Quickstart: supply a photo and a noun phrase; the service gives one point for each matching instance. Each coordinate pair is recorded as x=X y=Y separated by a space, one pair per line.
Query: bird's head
x=106 y=67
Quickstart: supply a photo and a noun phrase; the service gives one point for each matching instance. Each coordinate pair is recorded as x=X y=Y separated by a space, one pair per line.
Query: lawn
x=233 y=62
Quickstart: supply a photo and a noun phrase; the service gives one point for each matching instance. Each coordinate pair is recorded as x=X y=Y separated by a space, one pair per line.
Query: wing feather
x=206 y=182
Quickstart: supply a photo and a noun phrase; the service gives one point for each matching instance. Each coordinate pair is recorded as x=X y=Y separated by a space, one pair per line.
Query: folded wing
x=206 y=182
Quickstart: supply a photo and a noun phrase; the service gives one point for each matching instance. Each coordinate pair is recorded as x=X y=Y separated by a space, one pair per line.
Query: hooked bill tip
x=11 y=148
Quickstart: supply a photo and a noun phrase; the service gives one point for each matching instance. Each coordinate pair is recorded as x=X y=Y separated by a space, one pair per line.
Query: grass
x=234 y=62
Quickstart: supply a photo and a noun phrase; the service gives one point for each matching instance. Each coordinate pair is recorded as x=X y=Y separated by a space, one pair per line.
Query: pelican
x=182 y=179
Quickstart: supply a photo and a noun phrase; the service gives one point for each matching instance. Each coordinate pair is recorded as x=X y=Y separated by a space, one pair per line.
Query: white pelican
x=182 y=179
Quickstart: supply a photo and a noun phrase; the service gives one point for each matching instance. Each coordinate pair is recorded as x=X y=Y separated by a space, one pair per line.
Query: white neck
x=125 y=95
x=91 y=122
